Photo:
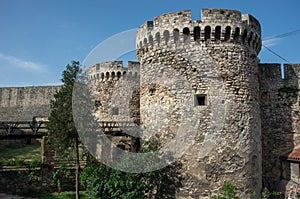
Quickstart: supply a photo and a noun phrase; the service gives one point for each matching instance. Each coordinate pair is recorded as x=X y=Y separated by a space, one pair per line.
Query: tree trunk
x=77 y=169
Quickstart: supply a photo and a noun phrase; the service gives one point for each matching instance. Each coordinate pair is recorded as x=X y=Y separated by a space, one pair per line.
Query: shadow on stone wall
x=278 y=108
x=170 y=182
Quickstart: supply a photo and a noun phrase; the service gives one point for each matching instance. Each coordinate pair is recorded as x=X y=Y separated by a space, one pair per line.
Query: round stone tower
x=115 y=90
x=204 y=73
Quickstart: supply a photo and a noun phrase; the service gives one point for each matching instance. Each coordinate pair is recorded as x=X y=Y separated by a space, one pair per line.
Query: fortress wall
x=23 y=103
x=280 y=117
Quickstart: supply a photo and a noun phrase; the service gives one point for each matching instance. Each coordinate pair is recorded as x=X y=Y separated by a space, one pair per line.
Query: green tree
x=103 y=182
x=63 y=136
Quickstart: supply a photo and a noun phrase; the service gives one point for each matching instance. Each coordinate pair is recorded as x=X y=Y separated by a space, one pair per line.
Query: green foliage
x=31 y=191
x=21 y=163
x=103 y=182
x=59 y=175
x=62 y=195
x=266 y=194
x=62 y=132
x=227 y=192
x=63 y=136
x=32 y=177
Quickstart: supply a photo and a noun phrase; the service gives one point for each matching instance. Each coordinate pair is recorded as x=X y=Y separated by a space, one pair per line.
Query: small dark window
x=115 y=111
x=200 y=100
x=166 y=36
x=97 y=103
x=151 y=40
x=186 y=34
x=218 y=33
x=227 y=33
x=197 y=33
x=207 y=32
x=118 y=74
x=236 y=34
x=157 y=37
x=245 y=34
x=176 y=35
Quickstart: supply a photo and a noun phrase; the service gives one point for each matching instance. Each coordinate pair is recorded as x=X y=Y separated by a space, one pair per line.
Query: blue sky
x=38 y=38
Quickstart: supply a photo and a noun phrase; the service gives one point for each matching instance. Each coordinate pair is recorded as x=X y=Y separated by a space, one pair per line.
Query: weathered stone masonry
x=218 y=51
x=247 y=115
x=23 y=103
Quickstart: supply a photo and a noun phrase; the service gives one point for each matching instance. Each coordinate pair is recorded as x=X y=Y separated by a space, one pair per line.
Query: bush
x=101 y=181
x=227 y=192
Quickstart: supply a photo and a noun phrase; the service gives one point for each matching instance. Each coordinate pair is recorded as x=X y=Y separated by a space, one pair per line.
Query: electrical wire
x=280 y=36
x=276 y=54
x=283 y=35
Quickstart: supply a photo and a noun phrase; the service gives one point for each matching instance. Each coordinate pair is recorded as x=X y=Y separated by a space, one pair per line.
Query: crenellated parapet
x=175 y=30
x=112 y=71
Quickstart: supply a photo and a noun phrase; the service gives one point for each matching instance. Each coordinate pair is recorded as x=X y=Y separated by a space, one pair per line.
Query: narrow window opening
x=250 y=38
x=157 y=37
x=186 y=34
x=118 y=74
x=236 y=34
x=166 y=36
x=244 y=36
x=97 y=103
x=207 y=32
x=218 y=33
x=115 y=111
x=151 y=40
x=227 y=33
x=197 y=33
x=200 y=100
x=145 y=42
x=176 y=35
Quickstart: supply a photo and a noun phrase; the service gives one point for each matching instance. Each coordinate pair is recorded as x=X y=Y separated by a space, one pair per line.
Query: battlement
x=274 y=71
x=113 y=70
x=217 y=25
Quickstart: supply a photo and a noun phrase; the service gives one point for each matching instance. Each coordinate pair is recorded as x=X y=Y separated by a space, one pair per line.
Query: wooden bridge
x=37 y=128
x=118 y=128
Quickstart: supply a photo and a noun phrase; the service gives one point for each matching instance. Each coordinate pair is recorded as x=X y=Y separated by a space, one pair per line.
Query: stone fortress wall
x=23 y=103
x=248 y=116
x=280 y=105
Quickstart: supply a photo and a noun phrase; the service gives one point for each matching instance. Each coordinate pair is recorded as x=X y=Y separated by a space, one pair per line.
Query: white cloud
x=271 y=42
x=14 y=62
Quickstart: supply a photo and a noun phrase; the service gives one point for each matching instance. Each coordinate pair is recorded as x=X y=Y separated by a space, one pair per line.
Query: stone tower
x=204 y=73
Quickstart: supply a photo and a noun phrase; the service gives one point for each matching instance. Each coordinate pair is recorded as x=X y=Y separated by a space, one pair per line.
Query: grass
x=62 y=195
x=20 y=151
